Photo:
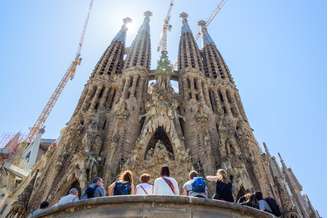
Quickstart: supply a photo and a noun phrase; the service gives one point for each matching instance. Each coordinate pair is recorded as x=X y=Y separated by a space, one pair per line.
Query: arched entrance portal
x=76 y=185
x=159 y=138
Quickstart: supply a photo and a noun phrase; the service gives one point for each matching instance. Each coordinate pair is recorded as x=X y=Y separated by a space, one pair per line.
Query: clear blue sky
x=276 y=50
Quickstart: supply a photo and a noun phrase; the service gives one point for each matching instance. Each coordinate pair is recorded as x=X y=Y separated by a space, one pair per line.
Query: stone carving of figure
x=96 y=146
x=121 y=110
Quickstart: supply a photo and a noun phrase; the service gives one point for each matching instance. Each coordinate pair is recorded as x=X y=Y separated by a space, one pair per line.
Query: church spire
x=189 y=54
x=282 y=162
x=266 y=149
x=111 y=61
x=214 y=65
x=139 y=52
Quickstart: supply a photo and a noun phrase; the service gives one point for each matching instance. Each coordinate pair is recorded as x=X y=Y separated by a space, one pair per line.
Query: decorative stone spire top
x=139 y=52
x=184 y=16
x=111 y=61
x=148 y=14
x=121 y=35
x=206 y=37
x=214 y=64
x=189 y=54
x=185 y=25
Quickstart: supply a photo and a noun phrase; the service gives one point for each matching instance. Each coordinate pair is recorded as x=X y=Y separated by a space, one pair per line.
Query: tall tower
x=129 y=105
x=198 y=125
x=122 y=121
x=82 y=149
x=238 y=148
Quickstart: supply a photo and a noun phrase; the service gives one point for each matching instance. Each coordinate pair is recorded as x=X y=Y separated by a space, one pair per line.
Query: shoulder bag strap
x=144 y=189
x=169 y=183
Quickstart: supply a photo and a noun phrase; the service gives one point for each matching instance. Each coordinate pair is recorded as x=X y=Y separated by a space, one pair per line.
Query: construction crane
x=39 y=124
x=162 y=47
x=213 y=15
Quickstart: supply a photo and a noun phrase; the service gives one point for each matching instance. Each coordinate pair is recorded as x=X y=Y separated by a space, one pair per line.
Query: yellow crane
x=39 y=124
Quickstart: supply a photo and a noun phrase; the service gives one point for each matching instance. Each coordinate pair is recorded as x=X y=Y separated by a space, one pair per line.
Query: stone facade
x=122 y=121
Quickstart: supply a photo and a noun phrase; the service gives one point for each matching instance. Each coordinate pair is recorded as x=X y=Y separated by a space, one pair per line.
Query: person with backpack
x=196 y=186
x=144 y=188
x=123 y=186
x=165 y=185
x=268 y=204
x=223 y=186
x=95 y=189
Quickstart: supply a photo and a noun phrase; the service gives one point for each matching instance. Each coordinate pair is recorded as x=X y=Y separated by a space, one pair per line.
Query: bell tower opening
x=159 y=138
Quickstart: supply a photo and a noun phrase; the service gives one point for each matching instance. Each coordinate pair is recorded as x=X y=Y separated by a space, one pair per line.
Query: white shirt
x=162 y=188
x=148 y=187
x=263 y=205
x=67 y=199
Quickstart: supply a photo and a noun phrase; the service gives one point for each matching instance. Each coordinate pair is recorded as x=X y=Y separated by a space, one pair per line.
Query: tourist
x=263 y=205
x=223 y=186
x=144 y=188
x=44 y=205
x=196 y=186
x=248 y=200
x=72 y=196
x=165 y=185
x=95 y=189
x=268 y=204
x=123 y=186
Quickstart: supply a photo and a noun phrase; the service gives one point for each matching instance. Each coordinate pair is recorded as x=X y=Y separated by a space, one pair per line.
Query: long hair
x=222 y=174
x=126 y=176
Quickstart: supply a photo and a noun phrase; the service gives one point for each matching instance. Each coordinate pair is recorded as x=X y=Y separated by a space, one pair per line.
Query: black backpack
x=122 y=188
x=274 y=206
x=90 y=191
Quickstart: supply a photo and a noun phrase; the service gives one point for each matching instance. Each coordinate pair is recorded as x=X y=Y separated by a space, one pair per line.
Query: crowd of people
x=196 y=186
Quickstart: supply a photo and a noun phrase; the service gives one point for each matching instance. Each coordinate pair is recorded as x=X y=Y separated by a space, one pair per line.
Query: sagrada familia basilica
x=129 y=116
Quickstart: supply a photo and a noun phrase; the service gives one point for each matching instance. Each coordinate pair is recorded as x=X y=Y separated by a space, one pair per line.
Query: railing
x=151 y=206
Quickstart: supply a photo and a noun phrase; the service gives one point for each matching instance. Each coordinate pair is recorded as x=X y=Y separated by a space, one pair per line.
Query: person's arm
x=133 y=189
x=176 y=187
x=212 y=178
x=155 y=187
x=110 y=189
x=184 y=190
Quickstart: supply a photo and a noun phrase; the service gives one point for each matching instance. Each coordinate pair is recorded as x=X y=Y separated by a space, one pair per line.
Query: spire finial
x=184 y=16
x=202 y=23
x=203 y=30
x=148 y=14
x=127 y=20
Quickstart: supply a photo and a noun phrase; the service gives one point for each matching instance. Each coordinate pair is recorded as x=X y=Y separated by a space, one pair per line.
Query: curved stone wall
x=151 y=206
